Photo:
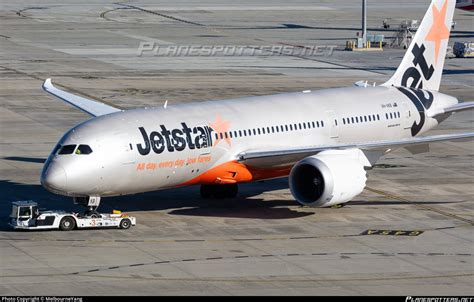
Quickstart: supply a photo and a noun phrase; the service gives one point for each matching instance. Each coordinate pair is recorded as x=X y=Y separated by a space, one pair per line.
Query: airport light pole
x=364 y=22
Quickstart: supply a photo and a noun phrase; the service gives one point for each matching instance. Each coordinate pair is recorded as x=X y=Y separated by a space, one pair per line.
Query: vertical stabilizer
x=422 y=65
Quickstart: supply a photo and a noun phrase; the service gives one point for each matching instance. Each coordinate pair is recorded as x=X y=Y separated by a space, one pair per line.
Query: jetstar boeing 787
x=323 y=141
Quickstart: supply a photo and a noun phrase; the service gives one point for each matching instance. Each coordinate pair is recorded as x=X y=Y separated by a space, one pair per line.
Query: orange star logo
x=439 y=31
x=221 y=127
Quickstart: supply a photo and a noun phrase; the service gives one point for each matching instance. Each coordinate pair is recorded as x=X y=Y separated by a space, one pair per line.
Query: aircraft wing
x=91 y=107
x=373 y=150
x=455 y=108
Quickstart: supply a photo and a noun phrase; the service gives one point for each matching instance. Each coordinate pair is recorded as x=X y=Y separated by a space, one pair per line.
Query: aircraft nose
x=54 y=178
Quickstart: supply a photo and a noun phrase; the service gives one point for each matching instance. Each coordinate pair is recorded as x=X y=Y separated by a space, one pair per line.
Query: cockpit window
x=67 y=149
x=84 y=149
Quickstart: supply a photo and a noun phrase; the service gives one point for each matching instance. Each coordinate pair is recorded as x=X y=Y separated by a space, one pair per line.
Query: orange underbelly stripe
x=235 y=172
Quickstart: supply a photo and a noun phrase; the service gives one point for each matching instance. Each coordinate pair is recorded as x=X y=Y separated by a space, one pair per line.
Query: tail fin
x=422 y=65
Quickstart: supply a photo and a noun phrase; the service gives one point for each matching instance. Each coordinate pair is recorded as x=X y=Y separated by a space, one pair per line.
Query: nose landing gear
x=91 y=203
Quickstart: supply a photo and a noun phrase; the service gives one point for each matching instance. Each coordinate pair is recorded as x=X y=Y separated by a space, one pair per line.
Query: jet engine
x=329 y=178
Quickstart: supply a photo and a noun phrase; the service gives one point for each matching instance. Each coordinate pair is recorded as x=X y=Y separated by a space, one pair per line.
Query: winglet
x=47 y=84
x=91 y=107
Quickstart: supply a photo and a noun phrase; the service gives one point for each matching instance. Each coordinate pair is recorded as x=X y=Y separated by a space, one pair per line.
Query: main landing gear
x=91 y=203
x=219 y=191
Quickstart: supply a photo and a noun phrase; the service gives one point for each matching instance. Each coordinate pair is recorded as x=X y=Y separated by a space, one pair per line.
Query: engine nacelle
x=329 y=178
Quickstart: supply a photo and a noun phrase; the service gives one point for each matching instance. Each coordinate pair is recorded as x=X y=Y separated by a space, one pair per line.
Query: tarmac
x=409 y=233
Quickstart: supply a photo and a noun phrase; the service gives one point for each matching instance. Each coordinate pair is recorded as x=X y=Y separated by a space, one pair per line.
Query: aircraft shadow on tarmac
x=187 y=202
x=182 y=201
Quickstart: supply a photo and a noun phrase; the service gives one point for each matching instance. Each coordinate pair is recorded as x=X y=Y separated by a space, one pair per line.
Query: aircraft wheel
x=232 y=190
x=219 y=191
x=226 y=191
x=206 y=191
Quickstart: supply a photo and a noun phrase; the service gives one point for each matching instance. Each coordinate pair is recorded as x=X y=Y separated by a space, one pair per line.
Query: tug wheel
x=125 y=224
x=67 y=224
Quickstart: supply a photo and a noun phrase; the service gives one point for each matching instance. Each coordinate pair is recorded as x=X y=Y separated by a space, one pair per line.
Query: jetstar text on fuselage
x=177 y=139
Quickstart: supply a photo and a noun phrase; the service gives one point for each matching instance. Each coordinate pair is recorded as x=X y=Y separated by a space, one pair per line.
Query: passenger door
x=331 y=121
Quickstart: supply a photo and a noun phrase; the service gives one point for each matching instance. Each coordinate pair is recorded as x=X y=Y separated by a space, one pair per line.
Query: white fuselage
x=133 y=151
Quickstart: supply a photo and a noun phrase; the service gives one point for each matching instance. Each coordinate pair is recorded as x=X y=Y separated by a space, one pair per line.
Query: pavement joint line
x=444 y=213
x=234 y=257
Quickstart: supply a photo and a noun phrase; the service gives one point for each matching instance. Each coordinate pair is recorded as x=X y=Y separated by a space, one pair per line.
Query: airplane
x=465 y=4
x=324 y=141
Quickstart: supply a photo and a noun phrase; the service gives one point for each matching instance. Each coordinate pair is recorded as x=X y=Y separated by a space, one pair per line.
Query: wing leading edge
x=292 y=155
x=91 y=107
